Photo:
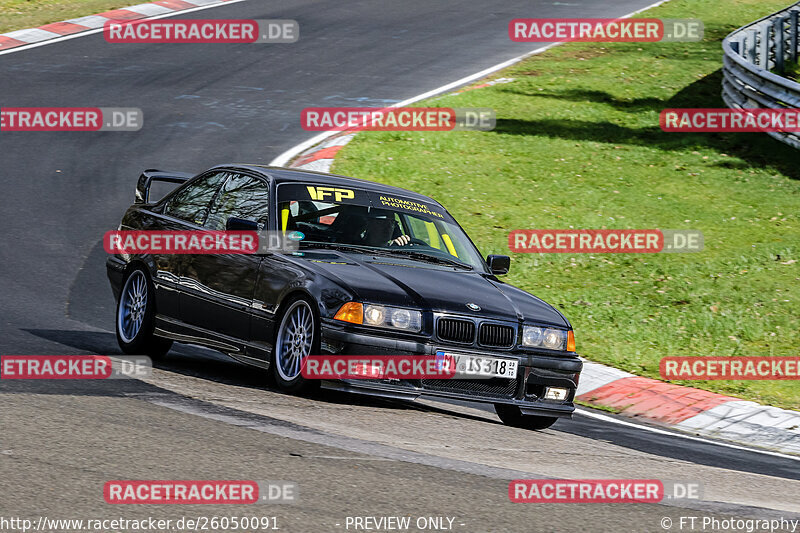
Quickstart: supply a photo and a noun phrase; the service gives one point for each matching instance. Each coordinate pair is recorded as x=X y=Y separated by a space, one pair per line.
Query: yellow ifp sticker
x=320 y=193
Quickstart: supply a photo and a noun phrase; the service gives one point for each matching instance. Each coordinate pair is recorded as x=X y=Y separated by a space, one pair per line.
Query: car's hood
x=406 y=283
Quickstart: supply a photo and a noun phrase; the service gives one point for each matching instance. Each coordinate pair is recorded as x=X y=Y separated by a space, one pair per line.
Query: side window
x=241 y=197
x=191 y=203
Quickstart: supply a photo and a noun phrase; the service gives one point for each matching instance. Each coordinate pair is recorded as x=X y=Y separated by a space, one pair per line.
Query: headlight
x=550 y=338
x=380 y=316
x=374 y=315
x=531 y=336
x=392 y=317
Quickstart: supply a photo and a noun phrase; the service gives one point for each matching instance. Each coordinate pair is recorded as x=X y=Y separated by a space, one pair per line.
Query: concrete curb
x=57 y=30
x=691 y=410
x=319 y=158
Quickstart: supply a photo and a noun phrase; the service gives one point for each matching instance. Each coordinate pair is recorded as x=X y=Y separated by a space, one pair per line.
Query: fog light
x=556 y=393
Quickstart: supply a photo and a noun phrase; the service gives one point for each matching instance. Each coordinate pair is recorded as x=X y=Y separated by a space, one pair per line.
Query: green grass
x=792 y=71
x=607 y=409
x=577 y=144
x=21 y=14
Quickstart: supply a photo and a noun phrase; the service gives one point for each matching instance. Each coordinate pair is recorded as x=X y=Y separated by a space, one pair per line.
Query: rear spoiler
x=151 y=175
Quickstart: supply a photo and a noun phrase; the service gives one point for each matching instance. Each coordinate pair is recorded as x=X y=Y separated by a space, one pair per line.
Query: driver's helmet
x=380 y=227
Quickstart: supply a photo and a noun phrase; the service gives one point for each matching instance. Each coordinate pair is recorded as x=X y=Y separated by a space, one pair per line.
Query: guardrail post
x=793 y=36
x=779 y=45
x=751 y=52
x=763 y=57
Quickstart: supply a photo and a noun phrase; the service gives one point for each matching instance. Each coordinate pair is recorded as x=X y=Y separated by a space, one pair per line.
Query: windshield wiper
x=345 y=247
x=434 y=258
x=389 y=252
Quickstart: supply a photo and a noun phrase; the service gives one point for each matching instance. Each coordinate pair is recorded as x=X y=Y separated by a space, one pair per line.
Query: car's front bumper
x=535 y=373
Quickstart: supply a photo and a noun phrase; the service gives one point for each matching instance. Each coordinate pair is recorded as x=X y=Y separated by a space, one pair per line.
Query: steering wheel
x=412 y=241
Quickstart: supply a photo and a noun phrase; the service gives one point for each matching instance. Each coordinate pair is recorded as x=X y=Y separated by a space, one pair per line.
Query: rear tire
x=296 y=337
x=512 y=416
x=136 y=312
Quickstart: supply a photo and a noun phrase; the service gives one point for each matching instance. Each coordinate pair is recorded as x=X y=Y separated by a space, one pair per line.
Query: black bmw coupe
x=376 y=270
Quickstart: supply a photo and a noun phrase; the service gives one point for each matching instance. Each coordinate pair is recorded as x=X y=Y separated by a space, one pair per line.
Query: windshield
x=360 y=220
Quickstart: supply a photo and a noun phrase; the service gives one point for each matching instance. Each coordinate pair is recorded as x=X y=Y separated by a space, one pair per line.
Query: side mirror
x=241 y=224
x=498 y=264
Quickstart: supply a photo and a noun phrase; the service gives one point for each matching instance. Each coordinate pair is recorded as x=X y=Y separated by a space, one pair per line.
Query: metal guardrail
x=754 y=57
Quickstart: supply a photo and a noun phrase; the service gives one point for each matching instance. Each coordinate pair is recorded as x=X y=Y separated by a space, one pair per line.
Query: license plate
x=476 y=366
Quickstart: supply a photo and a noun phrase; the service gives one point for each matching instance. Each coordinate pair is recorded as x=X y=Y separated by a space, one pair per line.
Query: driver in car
x=381 y=229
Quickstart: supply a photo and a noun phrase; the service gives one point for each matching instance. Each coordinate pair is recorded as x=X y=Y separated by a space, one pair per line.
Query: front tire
x=512 y=416
x=135 y=322
x=297 y=337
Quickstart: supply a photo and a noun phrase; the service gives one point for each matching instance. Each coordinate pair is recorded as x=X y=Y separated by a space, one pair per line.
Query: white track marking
x=651 y=429
x=289 y=154
x=292 y=152
x=475 y=411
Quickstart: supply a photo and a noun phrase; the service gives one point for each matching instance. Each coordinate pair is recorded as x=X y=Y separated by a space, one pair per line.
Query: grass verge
x=577 y=145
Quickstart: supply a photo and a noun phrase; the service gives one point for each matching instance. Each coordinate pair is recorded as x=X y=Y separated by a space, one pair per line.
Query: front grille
x=492 y=388
x=496 y=335
x=454 y=330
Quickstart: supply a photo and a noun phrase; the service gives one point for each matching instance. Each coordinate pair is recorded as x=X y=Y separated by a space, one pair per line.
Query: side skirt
x=234 y=348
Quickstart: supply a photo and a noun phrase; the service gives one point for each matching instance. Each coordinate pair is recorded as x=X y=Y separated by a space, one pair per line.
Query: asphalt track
x=203 y=417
